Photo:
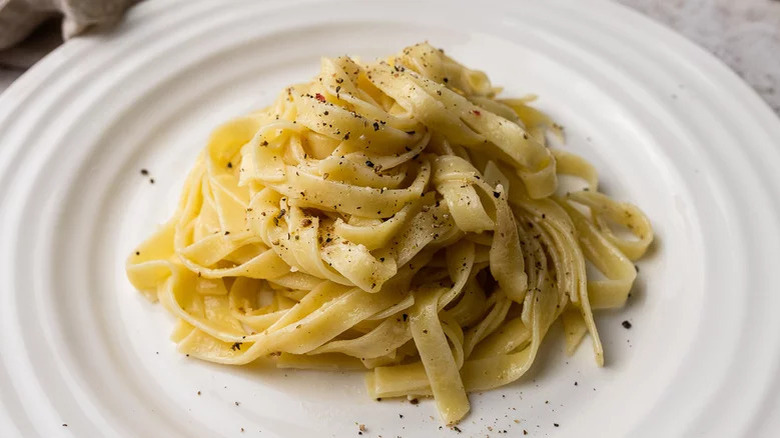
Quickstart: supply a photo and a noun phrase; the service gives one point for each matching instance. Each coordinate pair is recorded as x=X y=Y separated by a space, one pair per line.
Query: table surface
x=745 y=34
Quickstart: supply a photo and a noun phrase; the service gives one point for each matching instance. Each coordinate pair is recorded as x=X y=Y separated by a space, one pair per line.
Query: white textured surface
x=743 y=33
x=665 y=124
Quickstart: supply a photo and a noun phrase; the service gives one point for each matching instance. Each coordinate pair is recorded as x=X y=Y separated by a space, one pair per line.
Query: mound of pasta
x=395 y=217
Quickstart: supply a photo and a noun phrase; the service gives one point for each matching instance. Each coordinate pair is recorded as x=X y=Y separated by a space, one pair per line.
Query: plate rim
x=750 y=96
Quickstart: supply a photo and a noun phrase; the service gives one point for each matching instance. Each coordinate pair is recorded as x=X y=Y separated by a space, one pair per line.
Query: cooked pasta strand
x=393 y=216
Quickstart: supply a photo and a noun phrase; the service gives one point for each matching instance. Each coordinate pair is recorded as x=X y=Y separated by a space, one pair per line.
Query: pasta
x=395 y=217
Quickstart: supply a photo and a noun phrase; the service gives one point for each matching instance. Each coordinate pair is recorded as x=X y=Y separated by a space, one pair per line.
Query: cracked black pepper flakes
x=324 y=210
x=626 y=324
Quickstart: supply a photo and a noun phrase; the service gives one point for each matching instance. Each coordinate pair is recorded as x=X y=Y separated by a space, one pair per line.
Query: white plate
x=667 y=126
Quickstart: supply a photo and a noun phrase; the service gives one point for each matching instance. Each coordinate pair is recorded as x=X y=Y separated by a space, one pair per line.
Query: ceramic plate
x=667 y=126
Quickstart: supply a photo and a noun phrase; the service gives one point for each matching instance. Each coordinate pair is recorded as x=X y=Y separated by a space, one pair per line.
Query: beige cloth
x=20 y=17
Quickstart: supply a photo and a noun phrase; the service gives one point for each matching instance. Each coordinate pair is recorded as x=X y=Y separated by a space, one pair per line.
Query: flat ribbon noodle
x=396 y=217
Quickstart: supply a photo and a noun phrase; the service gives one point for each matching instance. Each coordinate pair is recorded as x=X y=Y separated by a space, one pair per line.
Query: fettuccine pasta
x=395 y=217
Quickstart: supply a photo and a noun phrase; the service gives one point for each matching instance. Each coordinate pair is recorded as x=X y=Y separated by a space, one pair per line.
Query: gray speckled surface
x=743 y=33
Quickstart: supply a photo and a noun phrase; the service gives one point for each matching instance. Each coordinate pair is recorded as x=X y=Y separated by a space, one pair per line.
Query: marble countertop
x=745 y=34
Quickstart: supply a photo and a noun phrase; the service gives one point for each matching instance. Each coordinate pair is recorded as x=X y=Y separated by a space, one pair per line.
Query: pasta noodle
x=395 y=217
